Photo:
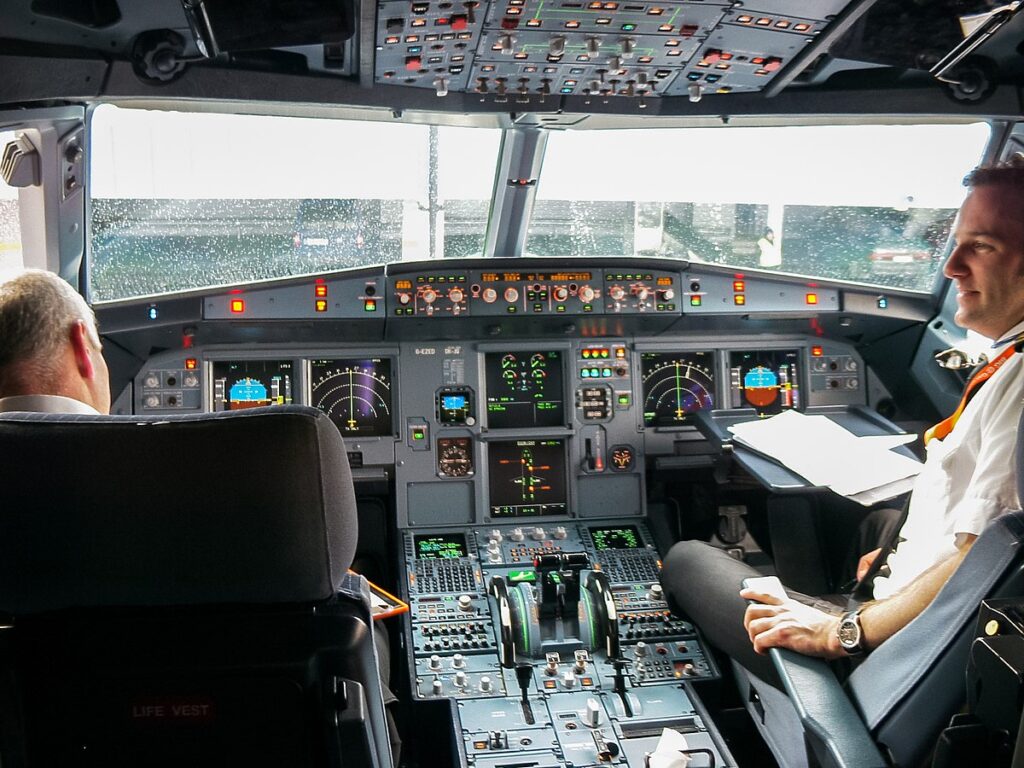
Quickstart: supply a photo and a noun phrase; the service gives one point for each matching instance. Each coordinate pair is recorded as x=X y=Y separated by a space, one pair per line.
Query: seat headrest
x=252 y=506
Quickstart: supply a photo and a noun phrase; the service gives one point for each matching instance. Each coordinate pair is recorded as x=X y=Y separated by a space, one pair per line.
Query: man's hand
x=865 y=562
x=772 y=622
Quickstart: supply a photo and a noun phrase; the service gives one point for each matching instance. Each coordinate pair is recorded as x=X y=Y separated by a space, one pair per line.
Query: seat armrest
x=833 y=729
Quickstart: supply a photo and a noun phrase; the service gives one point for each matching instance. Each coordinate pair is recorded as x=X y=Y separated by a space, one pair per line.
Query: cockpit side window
x=10 y=226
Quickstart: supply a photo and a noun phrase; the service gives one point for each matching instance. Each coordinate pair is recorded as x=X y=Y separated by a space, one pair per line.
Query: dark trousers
x=703 y=583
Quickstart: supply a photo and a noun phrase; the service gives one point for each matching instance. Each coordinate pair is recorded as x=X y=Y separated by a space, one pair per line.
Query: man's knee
x=684 y=564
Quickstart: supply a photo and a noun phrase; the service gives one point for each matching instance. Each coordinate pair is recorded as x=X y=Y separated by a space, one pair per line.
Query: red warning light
x=238 y=306
x=817 y=351
x=739 y=286
x=320 y=291
x=191 y=363
x=812 y=298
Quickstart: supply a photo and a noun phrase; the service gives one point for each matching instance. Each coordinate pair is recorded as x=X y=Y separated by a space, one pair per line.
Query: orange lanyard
x=944 y=427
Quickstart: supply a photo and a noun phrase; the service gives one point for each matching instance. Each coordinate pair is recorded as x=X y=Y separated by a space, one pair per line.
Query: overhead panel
x=520 y=49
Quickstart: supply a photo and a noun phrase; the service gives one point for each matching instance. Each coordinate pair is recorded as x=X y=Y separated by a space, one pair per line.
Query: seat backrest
x=172 y=593
x=908 y=688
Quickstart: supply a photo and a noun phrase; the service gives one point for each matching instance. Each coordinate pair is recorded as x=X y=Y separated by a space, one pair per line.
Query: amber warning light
x=238 y=306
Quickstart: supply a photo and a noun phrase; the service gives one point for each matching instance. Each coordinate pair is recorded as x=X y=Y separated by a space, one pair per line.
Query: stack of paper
x=825 y=454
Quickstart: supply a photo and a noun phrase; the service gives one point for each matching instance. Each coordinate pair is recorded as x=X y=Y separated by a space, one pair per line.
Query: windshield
x=865 y=203
x=182 y=201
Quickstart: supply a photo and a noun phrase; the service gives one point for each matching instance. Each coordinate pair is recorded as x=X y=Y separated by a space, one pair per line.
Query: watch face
x=849 y=634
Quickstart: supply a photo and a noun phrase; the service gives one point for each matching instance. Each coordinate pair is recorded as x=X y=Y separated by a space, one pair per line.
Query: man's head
x=987 y=263
x=48 y=342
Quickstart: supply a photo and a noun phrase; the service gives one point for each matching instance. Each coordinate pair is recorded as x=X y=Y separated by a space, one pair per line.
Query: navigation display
x=440 y=546
x=355 y=393
x=527 y=478
x=241 y=384
x=676 y=384
x=625 y=537
x=524 y=389
x=767 y=380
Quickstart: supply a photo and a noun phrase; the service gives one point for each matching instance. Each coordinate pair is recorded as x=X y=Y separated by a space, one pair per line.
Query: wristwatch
x=851 y=637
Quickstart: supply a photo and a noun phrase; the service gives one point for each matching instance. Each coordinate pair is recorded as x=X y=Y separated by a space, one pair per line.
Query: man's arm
x=772 y=622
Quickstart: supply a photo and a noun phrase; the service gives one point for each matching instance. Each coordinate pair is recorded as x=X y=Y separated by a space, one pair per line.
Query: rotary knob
x=586 y=294
x=191 y=380
x=152 y=381
x=458 y=661
x=511 y=294
x=641 y=649
x=466 y=602
x=485 y=684
x=429 y=296
x=560 y=293
x=642 y=293
x=437 y=687
x=495 y=535
x=668 y=294
x=560 y=532
x=435 y=662
x=537 y=534
x=569 y=679
x=617 y=293
x=493 y=546
x=516 y=534
x=655 y=592
x=455 y=295
x=460 y=679
x=404 y=298
x=489 y=295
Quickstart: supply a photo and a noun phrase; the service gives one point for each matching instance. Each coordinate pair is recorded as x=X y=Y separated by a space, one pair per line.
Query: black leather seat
x=175 y=592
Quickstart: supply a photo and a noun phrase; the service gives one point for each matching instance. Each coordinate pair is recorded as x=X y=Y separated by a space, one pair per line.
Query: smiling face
x=987 y=264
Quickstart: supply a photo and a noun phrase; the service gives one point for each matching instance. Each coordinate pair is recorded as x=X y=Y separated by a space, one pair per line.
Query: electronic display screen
x=527 y=478
x=441 y=546
x=624 y=537
x=767 y=380
x=355 y=393
x=455 y=406
x=524 y=389
x=241 y=384
x=676 y=384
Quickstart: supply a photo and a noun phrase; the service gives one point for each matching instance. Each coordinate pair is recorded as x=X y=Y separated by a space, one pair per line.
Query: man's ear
x=82 y=349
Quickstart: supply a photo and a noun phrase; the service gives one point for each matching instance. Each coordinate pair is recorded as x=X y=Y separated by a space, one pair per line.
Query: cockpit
x=538 y=263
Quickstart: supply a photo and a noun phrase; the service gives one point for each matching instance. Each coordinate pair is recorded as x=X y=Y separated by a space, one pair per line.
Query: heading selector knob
x=617 y=293
x=586 y=294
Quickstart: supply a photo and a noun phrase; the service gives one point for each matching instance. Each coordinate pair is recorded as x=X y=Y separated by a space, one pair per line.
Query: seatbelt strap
x=944 y=427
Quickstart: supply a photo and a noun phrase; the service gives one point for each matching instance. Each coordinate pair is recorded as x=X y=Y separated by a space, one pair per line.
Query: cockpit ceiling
x=535 y=55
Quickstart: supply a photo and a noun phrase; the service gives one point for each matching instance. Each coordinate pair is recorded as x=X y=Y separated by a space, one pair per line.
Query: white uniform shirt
x=45 y=404
x=968 y=479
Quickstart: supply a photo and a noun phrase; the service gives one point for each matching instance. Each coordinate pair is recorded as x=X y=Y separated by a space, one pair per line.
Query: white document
x=826 y=454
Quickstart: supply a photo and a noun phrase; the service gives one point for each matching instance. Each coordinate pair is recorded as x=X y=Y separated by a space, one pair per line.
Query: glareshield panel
x=190 y=200
x=10 y=226
x=866 y=203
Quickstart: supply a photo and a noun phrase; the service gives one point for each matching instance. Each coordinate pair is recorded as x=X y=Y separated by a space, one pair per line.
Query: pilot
x=966 y=482
x=50 y=353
